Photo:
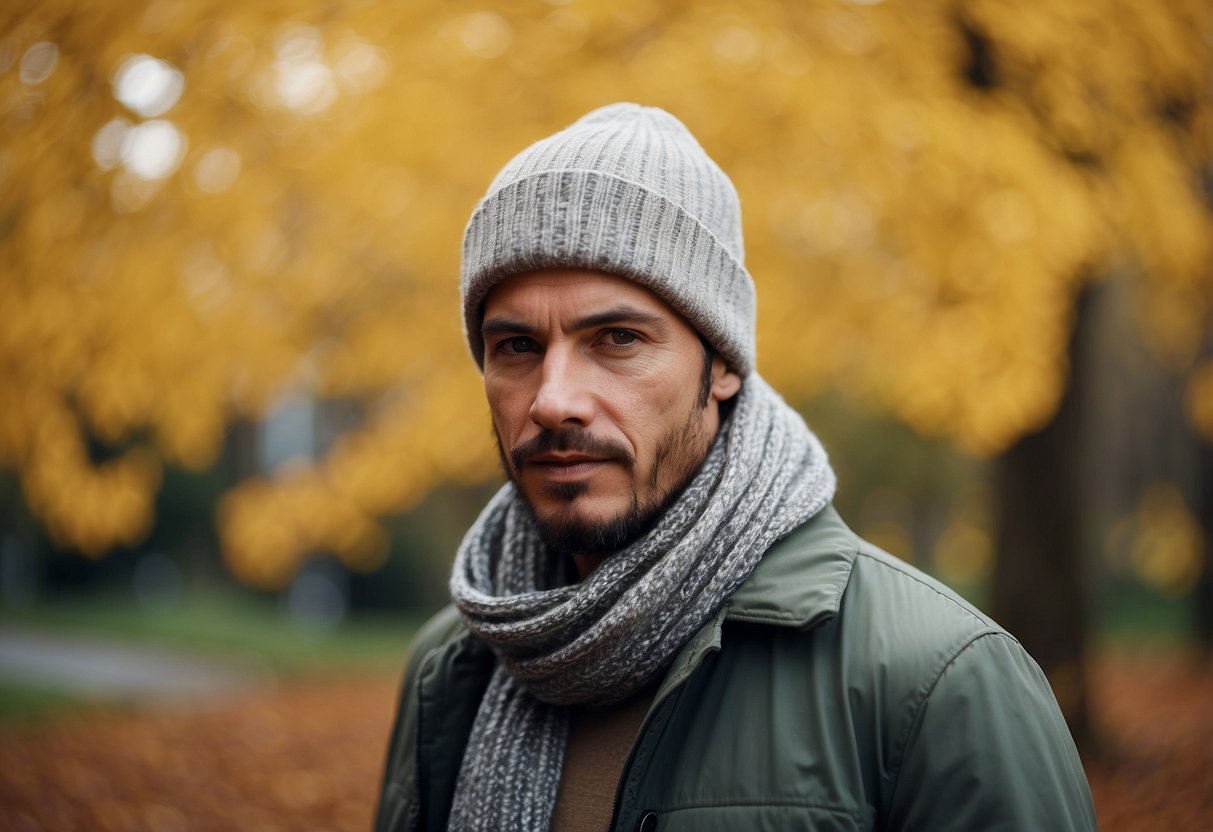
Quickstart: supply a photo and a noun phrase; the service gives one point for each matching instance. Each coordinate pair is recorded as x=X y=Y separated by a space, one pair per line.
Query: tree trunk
x=1039 y=591
x=1203 y=595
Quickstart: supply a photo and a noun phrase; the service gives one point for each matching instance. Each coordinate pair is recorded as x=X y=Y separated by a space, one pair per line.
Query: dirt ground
x=308 y=756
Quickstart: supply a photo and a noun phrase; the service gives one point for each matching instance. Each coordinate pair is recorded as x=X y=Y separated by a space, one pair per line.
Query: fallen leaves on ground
x=1156 y=712
x=304 y=756
x=308 y=756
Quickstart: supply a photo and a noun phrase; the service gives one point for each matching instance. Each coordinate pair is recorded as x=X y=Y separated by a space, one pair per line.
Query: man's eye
x=622 y=337
x=517 y=345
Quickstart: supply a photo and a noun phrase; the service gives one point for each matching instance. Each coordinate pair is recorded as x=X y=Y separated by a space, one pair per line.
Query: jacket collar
x=798 y=583
x=800 y=580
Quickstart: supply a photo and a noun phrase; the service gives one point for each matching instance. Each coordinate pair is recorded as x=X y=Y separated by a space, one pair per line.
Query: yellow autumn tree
x=207 y=207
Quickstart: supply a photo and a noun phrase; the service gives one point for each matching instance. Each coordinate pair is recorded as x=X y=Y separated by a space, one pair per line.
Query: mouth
x=566 y=466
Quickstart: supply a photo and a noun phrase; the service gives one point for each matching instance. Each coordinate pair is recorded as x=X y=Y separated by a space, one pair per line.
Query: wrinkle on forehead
x=569 y=296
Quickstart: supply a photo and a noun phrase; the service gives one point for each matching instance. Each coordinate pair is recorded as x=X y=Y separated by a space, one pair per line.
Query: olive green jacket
x=839 y=689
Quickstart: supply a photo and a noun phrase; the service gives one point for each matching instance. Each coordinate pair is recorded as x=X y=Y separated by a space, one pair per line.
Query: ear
x=725 y=382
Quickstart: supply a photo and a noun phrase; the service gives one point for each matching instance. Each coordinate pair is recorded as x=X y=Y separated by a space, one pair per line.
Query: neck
x=586 y=564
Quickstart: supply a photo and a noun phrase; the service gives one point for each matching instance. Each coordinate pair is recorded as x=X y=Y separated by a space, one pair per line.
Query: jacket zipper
x=630 y=760
x=659 y=702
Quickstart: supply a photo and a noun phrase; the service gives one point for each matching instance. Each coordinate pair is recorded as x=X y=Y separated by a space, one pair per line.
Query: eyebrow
x=501 y=325
x=620 y=315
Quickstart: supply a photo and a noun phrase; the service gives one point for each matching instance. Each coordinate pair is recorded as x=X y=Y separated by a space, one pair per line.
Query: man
x=660 y=622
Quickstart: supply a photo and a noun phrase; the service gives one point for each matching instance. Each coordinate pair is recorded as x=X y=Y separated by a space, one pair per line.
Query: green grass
x=26 y=703
x=1131 y=616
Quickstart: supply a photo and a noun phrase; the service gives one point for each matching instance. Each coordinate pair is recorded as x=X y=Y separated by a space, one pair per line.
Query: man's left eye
x=622 y=337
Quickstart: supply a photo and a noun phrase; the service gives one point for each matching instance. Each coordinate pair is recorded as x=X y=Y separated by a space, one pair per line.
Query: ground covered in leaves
x=308 y=755
x=1156 y=715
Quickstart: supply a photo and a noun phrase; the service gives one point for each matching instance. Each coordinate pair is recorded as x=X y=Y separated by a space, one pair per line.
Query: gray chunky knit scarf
x=606 y=638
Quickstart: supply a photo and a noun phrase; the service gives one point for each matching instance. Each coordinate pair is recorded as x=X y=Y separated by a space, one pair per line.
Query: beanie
x=629 y=191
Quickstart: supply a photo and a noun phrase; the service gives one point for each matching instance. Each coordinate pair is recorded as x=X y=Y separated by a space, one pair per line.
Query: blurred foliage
x=1161 y=542
x=207 y=207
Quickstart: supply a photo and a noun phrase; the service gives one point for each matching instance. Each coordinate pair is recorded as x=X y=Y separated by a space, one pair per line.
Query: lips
x=566 y=465
x=564 y=459
x=569 y=450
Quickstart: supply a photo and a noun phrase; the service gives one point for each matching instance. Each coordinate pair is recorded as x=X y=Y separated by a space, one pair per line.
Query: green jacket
x=839 y=689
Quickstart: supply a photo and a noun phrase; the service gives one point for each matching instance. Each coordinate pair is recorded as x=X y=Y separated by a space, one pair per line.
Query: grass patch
x=26 y=704
x=1131 y=615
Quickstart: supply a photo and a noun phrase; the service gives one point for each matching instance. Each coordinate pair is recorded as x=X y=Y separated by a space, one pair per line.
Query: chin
x=582 y=509
x=585 y=524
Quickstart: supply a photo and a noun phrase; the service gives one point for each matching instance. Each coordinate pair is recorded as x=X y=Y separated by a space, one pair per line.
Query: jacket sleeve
x=399 y=808
x=989 y=750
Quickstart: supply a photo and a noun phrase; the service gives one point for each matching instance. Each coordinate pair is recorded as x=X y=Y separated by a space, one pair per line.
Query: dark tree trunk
x=1039 y=590
x=1203 y=596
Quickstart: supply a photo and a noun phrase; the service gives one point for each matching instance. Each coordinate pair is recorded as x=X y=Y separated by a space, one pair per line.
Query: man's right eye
x=517 y=345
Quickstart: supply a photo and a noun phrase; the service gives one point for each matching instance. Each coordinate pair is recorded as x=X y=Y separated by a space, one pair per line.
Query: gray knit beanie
x=629 y=191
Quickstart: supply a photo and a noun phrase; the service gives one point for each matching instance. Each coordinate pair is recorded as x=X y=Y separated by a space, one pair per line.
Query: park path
x=92 y=668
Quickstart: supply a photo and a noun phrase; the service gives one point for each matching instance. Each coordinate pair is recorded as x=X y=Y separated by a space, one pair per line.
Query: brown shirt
x=599 y=741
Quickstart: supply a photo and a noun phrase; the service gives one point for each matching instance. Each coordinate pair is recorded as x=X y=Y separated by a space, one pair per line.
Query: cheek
x=647 y=413
x=510 y=409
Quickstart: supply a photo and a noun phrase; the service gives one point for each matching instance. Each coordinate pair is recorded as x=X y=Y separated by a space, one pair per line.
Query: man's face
x=595 y=386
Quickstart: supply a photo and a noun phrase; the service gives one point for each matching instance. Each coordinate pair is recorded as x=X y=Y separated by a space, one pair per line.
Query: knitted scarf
x=606 y=638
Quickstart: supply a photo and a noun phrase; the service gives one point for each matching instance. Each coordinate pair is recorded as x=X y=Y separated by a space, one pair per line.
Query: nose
x=564 y=396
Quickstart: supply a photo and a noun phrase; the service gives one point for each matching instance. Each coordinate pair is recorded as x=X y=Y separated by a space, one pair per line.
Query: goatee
x=563 y=531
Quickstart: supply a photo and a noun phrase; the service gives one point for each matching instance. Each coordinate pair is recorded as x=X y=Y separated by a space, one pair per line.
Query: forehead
x=580 y=290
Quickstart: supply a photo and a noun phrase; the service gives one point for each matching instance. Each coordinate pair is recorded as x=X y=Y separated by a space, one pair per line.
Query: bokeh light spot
x=38 y=62
x=303 y=81
x=148 y=86
x=362 y=68
x=217 y=170
x=738 y=45
x=109 y=142
x=154 y=149
x=485 y=34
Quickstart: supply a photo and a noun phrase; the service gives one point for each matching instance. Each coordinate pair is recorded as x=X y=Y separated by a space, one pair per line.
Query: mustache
x=568 y=440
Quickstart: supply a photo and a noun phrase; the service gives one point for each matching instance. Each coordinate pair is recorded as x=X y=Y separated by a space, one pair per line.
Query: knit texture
x=625 y=190
x=602 y=640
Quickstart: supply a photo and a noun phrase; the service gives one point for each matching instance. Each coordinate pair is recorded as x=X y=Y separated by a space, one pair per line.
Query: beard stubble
x=564 y=532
